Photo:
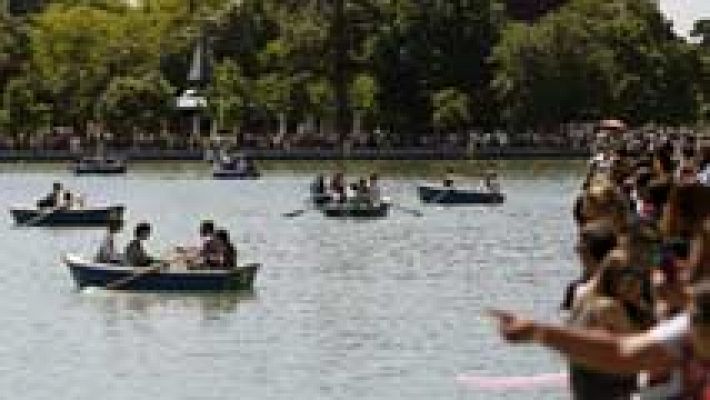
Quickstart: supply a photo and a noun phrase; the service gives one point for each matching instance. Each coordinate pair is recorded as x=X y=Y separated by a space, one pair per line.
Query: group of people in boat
x=215 y=251
x=638 y=317
x=489 y=183
x=364 y=191
x=238 y=163
x=60 y=198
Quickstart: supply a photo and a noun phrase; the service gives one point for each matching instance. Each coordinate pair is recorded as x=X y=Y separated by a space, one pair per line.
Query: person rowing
x=338 y=187
x=195 y=256
x=449 y=178
x=490 y=182
x=54 y=198
x=135 y=255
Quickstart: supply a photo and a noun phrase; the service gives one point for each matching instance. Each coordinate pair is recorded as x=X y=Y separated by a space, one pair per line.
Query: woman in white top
x=107 y=249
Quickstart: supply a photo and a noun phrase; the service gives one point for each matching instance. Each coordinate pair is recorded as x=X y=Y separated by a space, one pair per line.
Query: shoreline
x=403 y=154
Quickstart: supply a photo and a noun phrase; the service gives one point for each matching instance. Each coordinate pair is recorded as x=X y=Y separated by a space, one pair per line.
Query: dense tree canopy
x=406 y=66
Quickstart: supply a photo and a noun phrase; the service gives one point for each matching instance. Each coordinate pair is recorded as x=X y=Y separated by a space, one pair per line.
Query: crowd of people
x=215 y=251
x=364 y=191
x=638 y=318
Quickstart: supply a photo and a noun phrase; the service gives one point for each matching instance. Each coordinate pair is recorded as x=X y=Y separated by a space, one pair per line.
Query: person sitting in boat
x=54 y=198
x=196 y=255
x=107 y=249
x=226 y=254
x=68 y=201
x=338 y=188
x=319 y=191
x=318 y=185
x=362 y=192
x=449 y=178
x=490 y=183
x=135 y=255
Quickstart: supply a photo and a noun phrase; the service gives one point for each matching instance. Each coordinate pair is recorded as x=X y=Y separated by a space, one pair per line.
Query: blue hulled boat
x=444 y=195
x=235 y=167
x=68 y=217
x=90 y=274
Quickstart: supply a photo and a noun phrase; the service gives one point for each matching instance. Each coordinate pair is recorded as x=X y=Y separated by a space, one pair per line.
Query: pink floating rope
x=549 y=380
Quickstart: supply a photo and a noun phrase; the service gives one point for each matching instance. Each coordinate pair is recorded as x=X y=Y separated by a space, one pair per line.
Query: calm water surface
x=385 y=309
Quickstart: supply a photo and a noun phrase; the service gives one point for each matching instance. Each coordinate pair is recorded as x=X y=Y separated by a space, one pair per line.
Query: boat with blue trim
x=174 y=278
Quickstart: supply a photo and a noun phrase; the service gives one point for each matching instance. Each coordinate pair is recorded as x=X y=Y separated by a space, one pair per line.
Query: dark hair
x=207 y=227
x=230 y=253
x=57 y=185
x=141 y=227
x=598 y=238
x=222 y=235
x=658 y=191
x=665 y=159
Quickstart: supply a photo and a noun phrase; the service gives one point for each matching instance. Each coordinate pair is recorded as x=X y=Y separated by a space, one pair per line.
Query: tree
x=592 y=59
x=272 y=94
x=77 y=50
x=25 y=113
x=227 y=95
x=451 y=109
x=14 y=47
x=363 y=98
x=136 y=104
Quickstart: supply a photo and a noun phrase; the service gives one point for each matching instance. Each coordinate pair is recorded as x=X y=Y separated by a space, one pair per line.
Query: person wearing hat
x=135 y=255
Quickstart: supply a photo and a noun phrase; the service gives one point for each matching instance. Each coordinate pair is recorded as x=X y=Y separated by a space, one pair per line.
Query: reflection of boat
x=90 y=274
x=99 y=165
x=353 y=209
x=208 y=305
x=68 y=217
x=443 y=195
x=238 y=167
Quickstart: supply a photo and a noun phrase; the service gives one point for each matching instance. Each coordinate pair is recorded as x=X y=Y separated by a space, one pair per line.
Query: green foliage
x=595 y=59
x=132 y=104
x=451 y=109
x=227 y=95
x=363 y=93
x=24 y=113
x=408 y=65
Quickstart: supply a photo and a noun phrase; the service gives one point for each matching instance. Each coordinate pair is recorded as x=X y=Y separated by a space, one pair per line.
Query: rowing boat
x=353 y=209
x=67 y=217
x=90 y=274
x=444 y=195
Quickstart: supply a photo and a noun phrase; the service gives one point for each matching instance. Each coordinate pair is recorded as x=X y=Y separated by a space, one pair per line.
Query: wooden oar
x=119 y=283
x=294 y=213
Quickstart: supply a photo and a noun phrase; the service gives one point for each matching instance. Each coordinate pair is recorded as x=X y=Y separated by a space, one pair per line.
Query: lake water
x=380 y=309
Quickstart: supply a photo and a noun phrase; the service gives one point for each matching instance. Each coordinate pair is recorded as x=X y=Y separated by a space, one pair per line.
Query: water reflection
x=208 y=306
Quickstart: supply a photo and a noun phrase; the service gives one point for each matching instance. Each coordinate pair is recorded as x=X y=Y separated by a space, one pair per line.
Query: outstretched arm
x=596 y=349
